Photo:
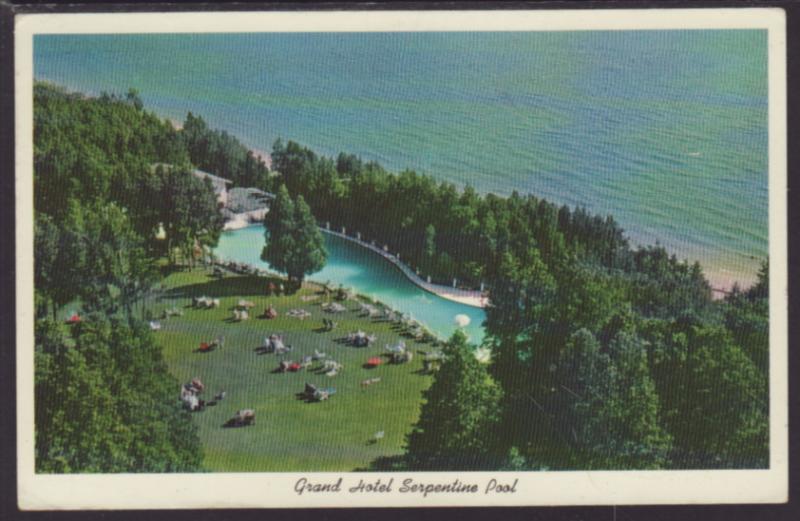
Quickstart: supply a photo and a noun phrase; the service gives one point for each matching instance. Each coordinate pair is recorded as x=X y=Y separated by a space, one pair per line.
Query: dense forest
x=222 y=154
x=105 y=401
x=604 y=356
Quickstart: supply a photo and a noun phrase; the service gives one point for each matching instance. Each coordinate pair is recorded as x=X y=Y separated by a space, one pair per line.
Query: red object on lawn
x=375 y=360
x=294 y=367
x=203 y=346
x=74 y=319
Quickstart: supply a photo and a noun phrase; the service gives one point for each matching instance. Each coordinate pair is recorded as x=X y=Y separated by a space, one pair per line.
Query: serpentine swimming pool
x=368 y=274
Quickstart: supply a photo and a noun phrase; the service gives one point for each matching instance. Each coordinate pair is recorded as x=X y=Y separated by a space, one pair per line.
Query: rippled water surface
x=666 y=130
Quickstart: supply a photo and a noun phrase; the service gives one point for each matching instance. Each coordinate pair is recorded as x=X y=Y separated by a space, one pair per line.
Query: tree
x=294 y=244
x=134 y=99
x=118 y=271
x=191 y=214
x=714 y=399
x=429 y=247
x=105 y=402
x=456 y=428
x=279 y=225
x=309 y=255
x=629 y=425
x=222 y=154
x=50 y=281
x=747 y=318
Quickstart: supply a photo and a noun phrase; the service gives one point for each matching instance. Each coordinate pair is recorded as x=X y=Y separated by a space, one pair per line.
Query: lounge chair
x=244 y=417
x=309 y=390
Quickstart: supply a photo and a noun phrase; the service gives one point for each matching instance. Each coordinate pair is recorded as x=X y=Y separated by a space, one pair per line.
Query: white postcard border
x=240 y=490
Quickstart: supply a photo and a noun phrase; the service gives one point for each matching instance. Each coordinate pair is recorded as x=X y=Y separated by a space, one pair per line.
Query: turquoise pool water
x=369 y=274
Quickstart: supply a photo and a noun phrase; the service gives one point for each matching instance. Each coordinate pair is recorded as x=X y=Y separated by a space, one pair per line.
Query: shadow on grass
x=234 y=286
x=304 y=397
x=168 y=269
x=233 y=424
x=386 y=463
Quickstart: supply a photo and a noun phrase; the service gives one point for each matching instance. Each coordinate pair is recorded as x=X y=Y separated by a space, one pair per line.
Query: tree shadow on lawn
x=233 y=424
x=235 y=286
x=168 y=269
x=304 y=397
x=385 y=463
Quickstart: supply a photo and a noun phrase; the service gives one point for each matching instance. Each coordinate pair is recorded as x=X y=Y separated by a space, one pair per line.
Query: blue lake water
x=369 y=274
x=666 y=130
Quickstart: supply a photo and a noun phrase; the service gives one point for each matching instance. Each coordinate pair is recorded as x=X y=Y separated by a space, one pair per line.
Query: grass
x=289 y=434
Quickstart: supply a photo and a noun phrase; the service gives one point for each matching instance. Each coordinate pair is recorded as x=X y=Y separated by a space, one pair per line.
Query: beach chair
x=244 y=417
x=310 y=390
x=321 y=395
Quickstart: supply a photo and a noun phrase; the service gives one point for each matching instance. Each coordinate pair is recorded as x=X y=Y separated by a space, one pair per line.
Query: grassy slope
x=289 y=434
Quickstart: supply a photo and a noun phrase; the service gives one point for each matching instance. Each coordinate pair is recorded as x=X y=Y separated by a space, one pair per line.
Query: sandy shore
x=245 y=219
x=266 y=157
x=722 y=280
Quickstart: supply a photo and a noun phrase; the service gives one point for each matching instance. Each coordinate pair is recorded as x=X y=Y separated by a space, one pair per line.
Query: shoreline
x=721 y=276
x=719 y=279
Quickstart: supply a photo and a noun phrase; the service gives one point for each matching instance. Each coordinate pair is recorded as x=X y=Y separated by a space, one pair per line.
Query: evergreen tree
x=294 y=244
x=456 y=428
x=279 y=234
x=309 y=254
x=58 y=259
x=105 y=402
x=747 y=318
x=628 y=427
x=715 y=401
x=191 y=214
x=118 y=271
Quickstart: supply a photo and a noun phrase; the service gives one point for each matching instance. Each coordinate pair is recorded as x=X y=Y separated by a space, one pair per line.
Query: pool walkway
x=467 y=297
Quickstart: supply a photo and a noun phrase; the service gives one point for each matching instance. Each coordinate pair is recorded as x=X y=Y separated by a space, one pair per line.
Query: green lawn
x=290 y=434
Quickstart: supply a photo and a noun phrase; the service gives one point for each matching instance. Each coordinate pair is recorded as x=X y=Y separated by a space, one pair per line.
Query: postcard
x=401 y=258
